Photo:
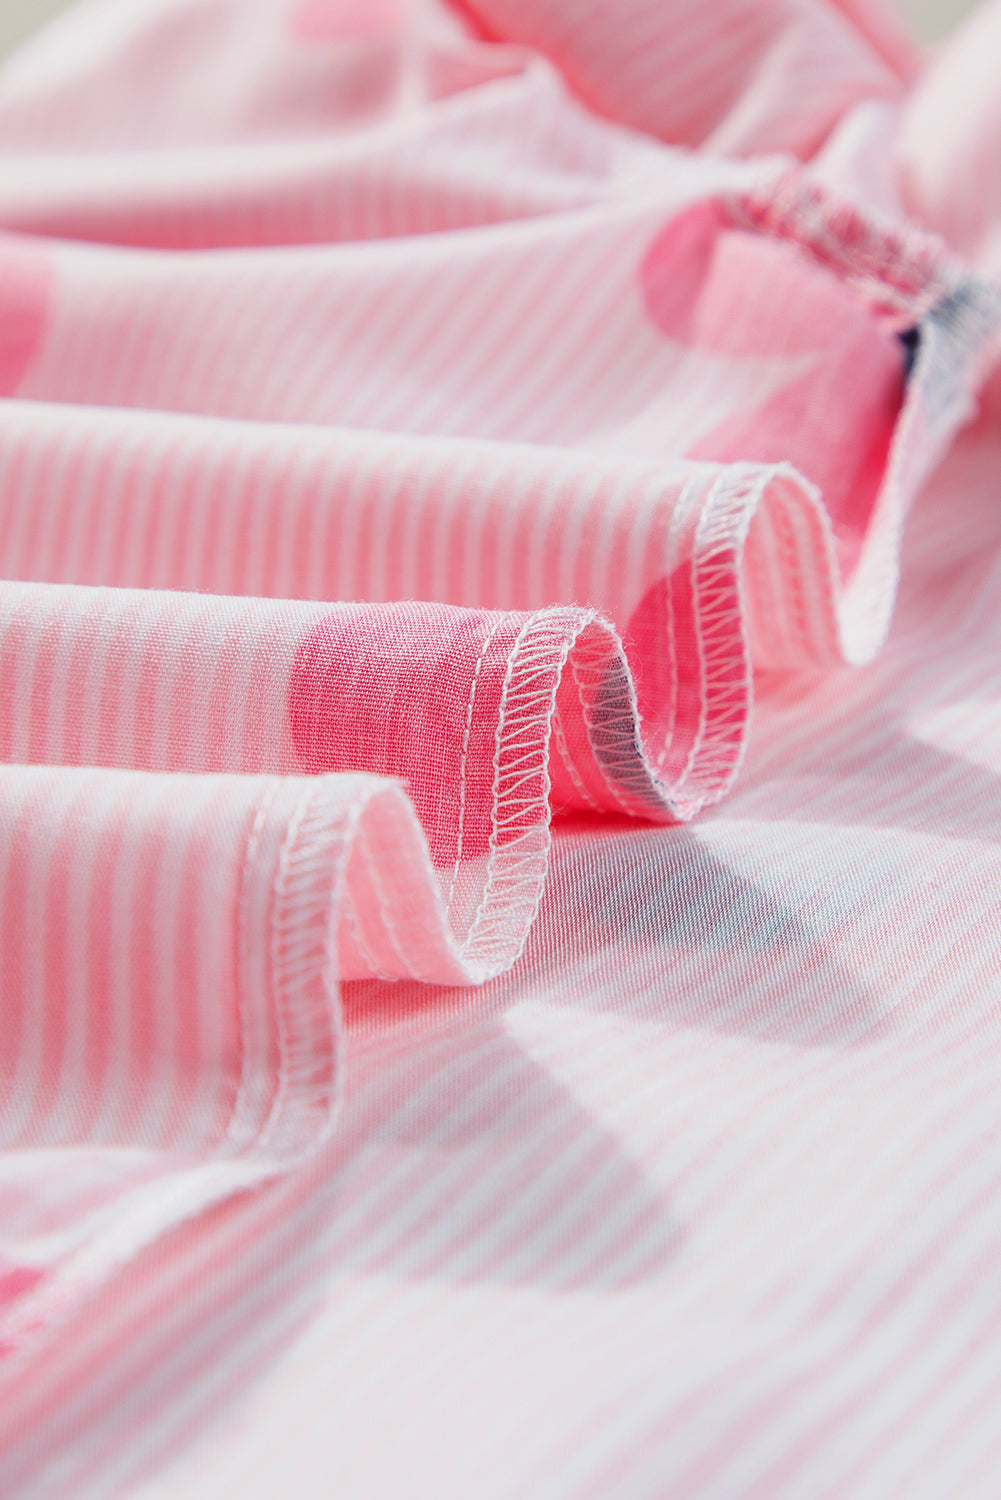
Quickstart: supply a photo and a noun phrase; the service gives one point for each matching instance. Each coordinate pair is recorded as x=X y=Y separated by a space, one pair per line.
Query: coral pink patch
x=25 y=284
x=665 y=639
x=732 y=293
x=402 y=708
x=15 y=1281
x=675 y=267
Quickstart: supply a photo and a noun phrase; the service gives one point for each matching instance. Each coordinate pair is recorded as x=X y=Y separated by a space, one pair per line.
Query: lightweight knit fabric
x=499 y=989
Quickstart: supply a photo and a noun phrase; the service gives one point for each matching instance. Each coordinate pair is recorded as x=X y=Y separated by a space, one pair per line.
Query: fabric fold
x=490 y=717
x=706 y=569
x=169 y=1006
x=164 y=501
x=733 y=77
x=406 y=439
x=170 y=995
x=948 y=139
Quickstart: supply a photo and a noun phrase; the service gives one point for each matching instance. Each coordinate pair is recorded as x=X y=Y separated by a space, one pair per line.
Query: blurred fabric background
x=931 y=19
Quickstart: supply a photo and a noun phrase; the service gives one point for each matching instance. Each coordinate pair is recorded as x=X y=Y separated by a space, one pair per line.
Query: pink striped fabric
x=753 y=77
x=425 y=430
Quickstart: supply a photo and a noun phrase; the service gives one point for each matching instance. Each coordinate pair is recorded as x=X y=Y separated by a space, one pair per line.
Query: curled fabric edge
x=298 y=870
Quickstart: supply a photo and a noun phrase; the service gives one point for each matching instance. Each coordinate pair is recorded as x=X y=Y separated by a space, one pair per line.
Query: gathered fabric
x=425 y=430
